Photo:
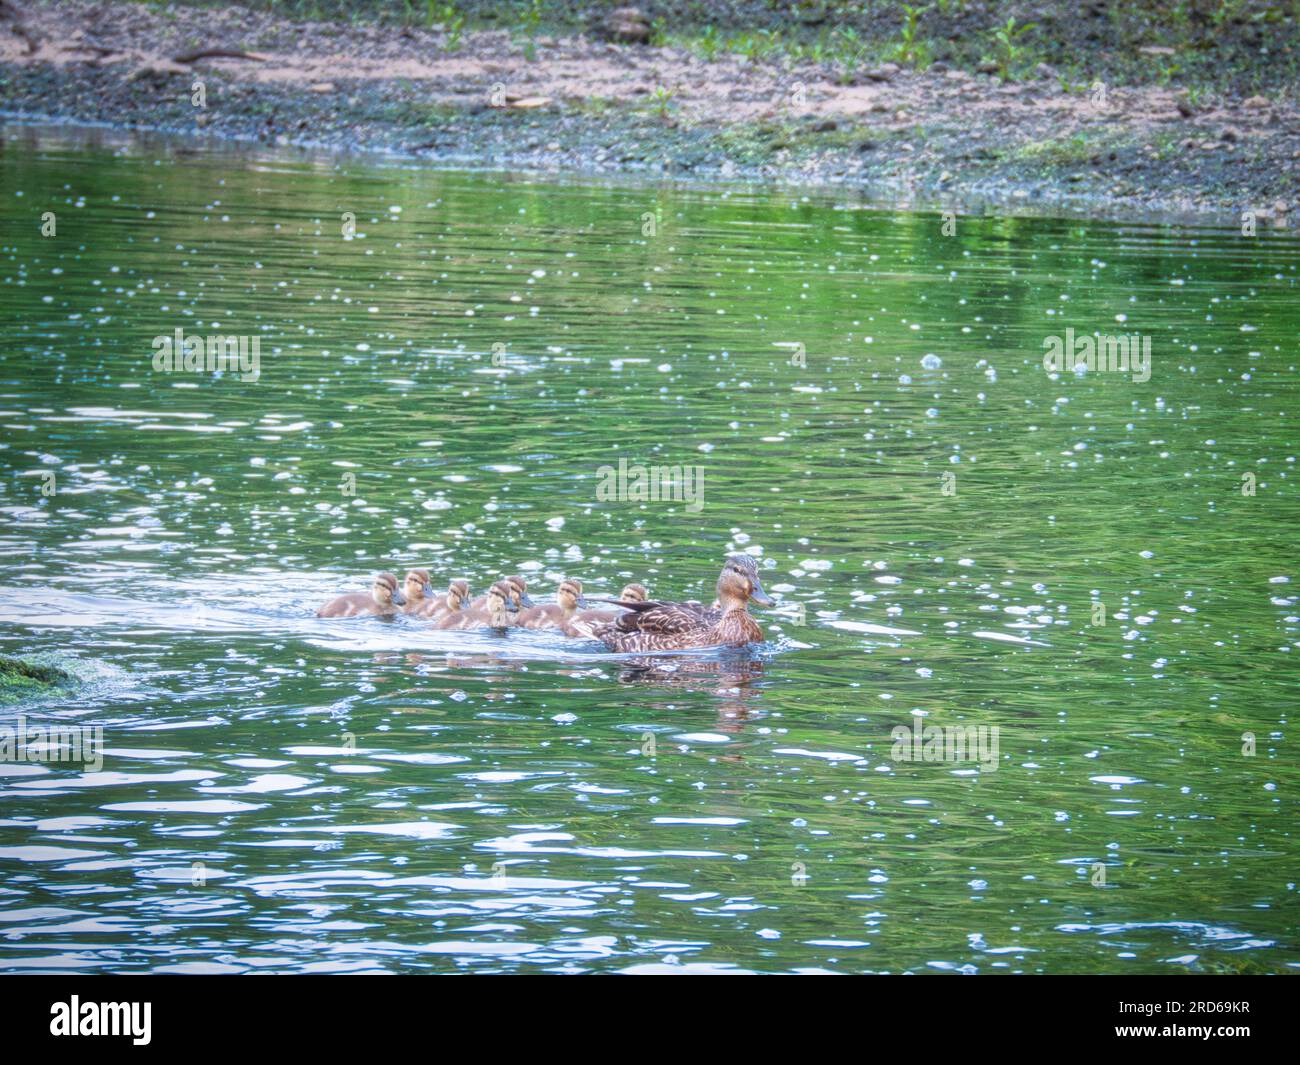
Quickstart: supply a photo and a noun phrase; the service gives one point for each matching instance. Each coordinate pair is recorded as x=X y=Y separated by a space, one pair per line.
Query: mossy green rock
x=19 y=678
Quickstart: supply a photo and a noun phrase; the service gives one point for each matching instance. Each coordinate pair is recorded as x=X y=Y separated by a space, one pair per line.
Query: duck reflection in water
x=734 y=678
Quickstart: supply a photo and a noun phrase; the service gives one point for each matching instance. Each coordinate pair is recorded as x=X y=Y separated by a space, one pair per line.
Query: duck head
x=386 y=591
x=418 y=585
x=500 y=605
x=458 y=595
x=570 y=597
x=634 y=593
x=738 y=584
x=518 y=591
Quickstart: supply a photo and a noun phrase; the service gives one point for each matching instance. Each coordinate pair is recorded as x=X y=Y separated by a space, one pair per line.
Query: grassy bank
x=944 y=111
x=1244 y=46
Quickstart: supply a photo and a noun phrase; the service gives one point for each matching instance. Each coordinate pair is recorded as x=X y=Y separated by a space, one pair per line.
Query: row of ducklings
x=506 y=604
x=630 y=623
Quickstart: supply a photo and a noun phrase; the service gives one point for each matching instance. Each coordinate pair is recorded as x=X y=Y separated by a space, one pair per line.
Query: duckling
x=518 y=588
x=632 y=593
x=495 y=614
x=418 y=590
x=456 y=599
x=568 y=598
x=652 y=626
x=384 y=597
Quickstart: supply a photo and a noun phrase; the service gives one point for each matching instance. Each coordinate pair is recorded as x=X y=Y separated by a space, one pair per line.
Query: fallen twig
x=214 y=53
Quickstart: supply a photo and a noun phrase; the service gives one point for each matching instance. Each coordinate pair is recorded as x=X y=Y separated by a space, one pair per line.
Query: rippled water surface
x=866 y=398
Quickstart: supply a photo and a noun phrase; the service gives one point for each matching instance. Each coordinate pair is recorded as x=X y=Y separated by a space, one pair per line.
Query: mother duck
x=657 y=626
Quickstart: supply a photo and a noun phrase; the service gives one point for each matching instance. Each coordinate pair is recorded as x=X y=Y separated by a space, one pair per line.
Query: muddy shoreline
x=577 y=105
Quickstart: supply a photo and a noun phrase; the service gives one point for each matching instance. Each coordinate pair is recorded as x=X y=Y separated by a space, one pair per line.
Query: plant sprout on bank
x=1009 y=53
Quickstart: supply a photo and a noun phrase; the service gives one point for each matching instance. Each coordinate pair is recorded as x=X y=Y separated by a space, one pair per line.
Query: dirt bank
x=500 y=97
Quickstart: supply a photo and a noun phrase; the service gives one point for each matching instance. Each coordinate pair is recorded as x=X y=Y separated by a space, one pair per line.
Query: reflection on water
x=939 y=519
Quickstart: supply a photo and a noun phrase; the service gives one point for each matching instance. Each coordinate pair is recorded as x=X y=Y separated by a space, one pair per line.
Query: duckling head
x=570 y=596
x=500 y=605
x=458 y=594
x=386 y=591
x=518 y=591
x=634 y=593
x=418 y=585
x=738 y=584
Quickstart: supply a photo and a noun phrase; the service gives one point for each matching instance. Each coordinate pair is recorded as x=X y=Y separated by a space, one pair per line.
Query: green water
x=282 y=793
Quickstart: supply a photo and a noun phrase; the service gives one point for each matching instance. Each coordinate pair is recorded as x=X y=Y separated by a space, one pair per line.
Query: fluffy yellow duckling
x=557 y=615
x=418 y=590
x=518 y=589
x=632 y=593
x=456 y=599
x=495 y=613
x=384 y=597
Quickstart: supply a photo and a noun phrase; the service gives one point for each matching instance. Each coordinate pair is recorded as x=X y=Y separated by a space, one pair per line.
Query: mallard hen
x=662 y=626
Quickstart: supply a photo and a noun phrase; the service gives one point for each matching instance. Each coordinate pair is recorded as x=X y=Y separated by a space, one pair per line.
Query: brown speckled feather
x=665 y=618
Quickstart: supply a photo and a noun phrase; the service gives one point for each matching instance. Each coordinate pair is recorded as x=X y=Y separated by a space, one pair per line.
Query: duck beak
x=759 y=596
x=525 y=600
x=511 y=607
x=582 y=602
x=428 y=590
x=398 y=597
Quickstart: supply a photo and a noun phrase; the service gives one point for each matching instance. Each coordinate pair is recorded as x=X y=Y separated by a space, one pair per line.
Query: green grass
x=1011 y=55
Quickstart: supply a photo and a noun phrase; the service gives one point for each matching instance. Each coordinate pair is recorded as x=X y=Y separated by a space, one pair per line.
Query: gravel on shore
x=581 y=104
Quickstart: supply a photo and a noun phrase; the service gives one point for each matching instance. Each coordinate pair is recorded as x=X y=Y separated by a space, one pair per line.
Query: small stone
x=825 y=126
x=159 y=71
x=528 y=103
x=1255 y=103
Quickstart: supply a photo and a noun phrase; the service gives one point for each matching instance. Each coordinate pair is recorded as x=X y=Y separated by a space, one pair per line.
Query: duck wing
x=664 y=619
